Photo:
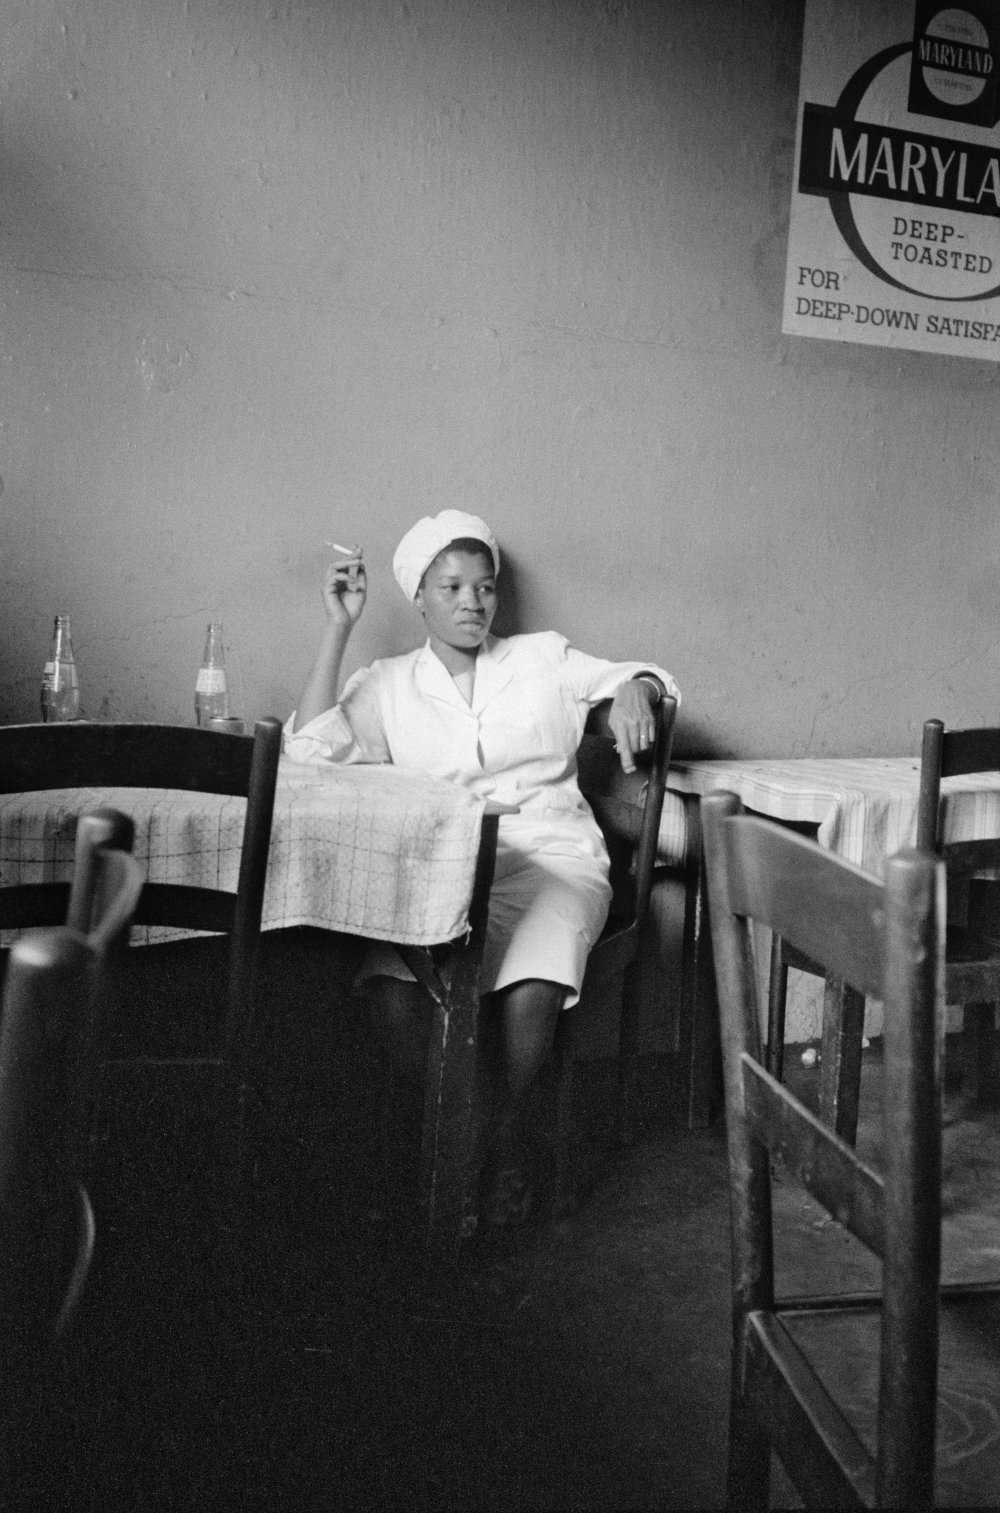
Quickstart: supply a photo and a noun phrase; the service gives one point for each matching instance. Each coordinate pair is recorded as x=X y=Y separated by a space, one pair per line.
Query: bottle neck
x=62 y=640
x=214 y=653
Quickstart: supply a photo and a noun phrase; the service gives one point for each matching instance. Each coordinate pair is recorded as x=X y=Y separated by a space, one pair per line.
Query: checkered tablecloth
x=368 y=850
x=865 y=807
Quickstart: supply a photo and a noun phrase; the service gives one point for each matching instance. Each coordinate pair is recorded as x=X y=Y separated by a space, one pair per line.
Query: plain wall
x=272 y=273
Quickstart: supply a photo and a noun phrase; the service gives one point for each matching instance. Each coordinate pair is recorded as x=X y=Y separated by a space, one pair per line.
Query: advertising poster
x=894 y=236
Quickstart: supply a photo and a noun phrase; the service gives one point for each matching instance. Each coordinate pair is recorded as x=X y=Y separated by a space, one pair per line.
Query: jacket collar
x=493 y=673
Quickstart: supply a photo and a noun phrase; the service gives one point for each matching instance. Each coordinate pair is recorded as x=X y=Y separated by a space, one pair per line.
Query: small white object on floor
x=810 y=1056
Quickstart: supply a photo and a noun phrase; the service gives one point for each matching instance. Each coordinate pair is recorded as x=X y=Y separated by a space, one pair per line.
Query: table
x=863 y=808
x=366 y=850
x=370 y=851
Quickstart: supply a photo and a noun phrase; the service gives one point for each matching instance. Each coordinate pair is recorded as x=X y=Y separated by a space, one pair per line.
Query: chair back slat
x=186 y=908
x=835 y=917
x=85 y=755
x=975 y=750
x=965 y=857
x=829 y=1169
x=29 y=906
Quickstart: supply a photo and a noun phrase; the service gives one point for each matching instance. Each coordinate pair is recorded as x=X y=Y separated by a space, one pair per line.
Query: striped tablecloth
x=367 y=850
x=865 y=807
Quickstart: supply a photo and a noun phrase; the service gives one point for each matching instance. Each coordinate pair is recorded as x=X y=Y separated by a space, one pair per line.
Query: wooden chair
x=219 y=1045
x=53 y=987
x=845 y=1388
x=973 y=959
x=627 y=807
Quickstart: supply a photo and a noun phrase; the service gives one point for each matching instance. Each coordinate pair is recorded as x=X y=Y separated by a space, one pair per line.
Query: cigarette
x=349 y=551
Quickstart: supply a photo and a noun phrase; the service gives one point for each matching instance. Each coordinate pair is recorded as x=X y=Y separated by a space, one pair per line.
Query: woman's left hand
x=632 y=721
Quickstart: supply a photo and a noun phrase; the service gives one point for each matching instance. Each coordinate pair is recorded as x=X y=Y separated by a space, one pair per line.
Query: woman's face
x=458 y=599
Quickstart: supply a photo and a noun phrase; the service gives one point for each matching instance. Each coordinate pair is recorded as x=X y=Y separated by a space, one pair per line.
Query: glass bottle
x=211 y=691
x=60 y=695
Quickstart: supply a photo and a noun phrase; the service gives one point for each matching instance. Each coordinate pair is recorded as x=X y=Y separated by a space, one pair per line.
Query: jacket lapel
x=435 y=681
x=494 y=670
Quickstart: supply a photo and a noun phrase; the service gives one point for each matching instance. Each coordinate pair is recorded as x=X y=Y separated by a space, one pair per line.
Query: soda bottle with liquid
x=211 y=691
x=60 y=694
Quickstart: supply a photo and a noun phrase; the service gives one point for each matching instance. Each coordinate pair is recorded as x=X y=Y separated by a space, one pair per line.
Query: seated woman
x=503 y=717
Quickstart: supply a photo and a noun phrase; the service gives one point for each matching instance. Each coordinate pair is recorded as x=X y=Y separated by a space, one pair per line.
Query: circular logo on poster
x=919 y=210
x=955 y=30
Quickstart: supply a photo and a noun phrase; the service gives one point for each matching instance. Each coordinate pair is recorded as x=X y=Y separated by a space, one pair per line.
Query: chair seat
x=843 y=1346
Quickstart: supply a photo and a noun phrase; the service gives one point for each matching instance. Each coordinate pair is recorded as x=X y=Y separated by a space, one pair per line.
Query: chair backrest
x=627 y=806
x=95 y=755
x=50 y=1004
x=954 y=753
x=885 y=939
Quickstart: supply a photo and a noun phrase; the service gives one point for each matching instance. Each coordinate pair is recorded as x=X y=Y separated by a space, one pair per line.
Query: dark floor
x=570 y=1365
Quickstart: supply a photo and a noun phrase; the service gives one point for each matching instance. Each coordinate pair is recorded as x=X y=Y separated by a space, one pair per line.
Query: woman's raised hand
x=345 y=589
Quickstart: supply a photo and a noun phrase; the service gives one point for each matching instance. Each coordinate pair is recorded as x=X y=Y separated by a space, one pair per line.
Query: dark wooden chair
x=844 y=1389
x=973 y=948
x=627 y=806
x=211 y=1032
x=53 y=987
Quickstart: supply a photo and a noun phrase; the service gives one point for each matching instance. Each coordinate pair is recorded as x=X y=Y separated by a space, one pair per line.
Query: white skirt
x=548 y=904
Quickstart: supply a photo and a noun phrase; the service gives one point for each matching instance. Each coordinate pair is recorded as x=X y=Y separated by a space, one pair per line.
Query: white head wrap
x=421 y=544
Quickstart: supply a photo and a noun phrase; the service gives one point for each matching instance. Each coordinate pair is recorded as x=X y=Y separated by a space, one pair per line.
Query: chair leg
x=777 y=998
x=840 y=1060
x=699 y=1046
x=748 y=1470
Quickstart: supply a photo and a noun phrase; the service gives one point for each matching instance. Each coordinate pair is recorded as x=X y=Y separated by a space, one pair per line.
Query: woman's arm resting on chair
x=631 y=717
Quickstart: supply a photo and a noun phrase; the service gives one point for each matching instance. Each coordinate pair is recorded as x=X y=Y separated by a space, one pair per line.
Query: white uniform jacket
x=516 y=743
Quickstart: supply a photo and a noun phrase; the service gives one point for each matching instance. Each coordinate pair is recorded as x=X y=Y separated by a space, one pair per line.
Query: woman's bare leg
x=399 y=1015
x=528 y=1013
